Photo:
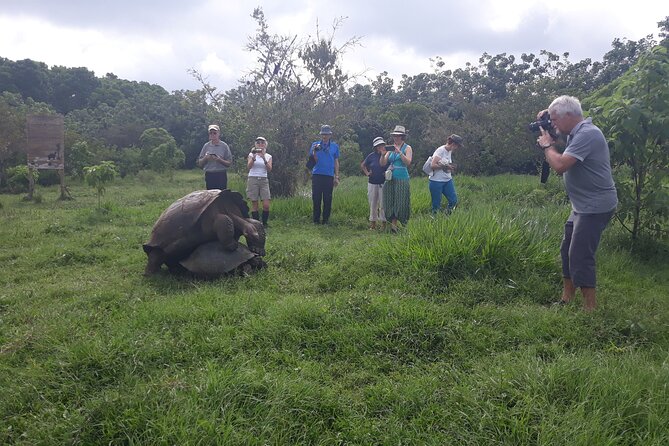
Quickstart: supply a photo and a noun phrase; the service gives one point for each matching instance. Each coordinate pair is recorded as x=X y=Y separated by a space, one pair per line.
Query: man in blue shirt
x=586 y=165
x=325 y=174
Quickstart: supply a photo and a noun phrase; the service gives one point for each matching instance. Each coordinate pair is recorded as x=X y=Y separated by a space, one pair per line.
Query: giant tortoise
x=211 y=260
x=199 y=217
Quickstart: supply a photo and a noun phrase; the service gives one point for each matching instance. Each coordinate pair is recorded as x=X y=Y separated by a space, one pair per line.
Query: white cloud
x=124 y=55
x=159 y=42
x=214 y=68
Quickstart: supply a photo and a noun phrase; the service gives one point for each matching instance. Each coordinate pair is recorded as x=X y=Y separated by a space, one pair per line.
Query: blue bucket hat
x=326 y=130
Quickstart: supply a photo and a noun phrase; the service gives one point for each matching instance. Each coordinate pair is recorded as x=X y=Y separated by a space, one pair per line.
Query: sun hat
x=399 y=130
x=213 y=127
x=378 y=141
x=326 y=130
x=261 y=138
x=457 y=139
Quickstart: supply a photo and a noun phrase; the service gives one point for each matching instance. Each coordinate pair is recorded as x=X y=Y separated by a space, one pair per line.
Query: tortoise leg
x=156 y=259
x=225 y=232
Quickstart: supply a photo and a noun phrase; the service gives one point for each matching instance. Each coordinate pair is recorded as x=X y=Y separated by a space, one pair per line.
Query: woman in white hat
x=259 y=164
x=372 y=168
x=396 y=192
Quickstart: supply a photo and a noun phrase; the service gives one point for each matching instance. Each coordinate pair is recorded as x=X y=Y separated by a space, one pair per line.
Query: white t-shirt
x=259 y=169
x=444 y=158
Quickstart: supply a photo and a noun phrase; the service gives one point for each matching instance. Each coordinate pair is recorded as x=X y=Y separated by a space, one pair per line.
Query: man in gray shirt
x=586 y=166
x=215 y=158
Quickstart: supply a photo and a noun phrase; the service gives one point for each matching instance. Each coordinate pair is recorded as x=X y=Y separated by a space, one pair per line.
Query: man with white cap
x=215 y=158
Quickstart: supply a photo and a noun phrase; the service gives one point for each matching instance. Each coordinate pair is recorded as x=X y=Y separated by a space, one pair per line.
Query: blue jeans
x=448 y=189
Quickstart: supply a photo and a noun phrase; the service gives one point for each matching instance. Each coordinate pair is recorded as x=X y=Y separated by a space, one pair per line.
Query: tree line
x=298 y=83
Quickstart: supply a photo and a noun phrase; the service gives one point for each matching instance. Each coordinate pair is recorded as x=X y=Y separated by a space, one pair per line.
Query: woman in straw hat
x=396 y=192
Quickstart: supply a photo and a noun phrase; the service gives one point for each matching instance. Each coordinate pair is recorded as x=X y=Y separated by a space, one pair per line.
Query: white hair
x=566 y=105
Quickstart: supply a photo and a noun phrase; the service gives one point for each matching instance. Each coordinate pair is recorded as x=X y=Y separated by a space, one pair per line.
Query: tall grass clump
x=434 y=253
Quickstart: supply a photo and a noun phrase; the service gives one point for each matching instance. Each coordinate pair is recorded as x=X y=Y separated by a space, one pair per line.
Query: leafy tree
x=32 y=80
x=152 y=138
x=71 y=88
x=77 y=157
x=99 y=176
x=18 y=178
x=294 y=87
x=165 y=158
x=160 y=151
x=186 y=121
x=636 y=119
x=128 y=160
x=12 y=135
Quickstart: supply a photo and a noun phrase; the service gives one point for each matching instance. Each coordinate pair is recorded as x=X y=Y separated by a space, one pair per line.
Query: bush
x=18 y=178
x=99 y=176
x=48 y=178
x=78 y=156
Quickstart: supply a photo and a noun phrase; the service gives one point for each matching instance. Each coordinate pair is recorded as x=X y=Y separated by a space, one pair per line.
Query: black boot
x=265 y=217
x=254 y=215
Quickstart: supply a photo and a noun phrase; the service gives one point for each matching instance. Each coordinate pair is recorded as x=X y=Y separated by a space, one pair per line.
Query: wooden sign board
x=46 y=142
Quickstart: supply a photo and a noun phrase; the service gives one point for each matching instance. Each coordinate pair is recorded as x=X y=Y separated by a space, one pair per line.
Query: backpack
x=311 y=162
x=427 y=167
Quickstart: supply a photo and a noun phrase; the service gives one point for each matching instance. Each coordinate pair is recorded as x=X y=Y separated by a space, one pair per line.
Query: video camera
x=544 y=122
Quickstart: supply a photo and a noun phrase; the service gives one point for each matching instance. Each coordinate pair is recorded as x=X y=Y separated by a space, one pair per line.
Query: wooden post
x=64 y=193
x=31 y=184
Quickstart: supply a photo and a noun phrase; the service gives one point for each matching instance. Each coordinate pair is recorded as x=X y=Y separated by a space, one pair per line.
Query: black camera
x=254 y=150
x=545 y=123
x=317 y=147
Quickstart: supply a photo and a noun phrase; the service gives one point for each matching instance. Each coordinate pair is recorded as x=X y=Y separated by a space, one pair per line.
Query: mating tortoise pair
x=200 y=232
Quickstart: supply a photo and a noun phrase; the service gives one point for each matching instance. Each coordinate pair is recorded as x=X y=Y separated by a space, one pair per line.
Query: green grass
x=442 y=334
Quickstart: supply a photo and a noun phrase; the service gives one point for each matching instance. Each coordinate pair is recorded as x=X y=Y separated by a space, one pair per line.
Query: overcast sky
x=159 y=41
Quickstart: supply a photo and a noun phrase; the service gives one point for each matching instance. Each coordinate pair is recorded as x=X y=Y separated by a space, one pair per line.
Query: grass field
x=443 y=334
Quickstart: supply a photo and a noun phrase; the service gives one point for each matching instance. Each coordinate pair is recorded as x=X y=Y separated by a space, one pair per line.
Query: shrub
x=99 y=176
x=18 y=178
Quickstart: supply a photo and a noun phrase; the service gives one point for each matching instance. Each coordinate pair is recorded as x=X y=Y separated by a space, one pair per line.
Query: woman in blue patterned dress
x=396 y=192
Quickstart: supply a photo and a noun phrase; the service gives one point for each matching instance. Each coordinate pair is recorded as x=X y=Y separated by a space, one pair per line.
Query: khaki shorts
x=257 y=188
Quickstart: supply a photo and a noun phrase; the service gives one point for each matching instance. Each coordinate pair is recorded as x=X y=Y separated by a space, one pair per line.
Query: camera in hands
x=317 y=147
x=544 y=122
x=256 y=150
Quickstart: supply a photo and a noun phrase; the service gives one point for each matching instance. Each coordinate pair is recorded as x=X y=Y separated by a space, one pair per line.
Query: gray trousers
x=582 y=233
